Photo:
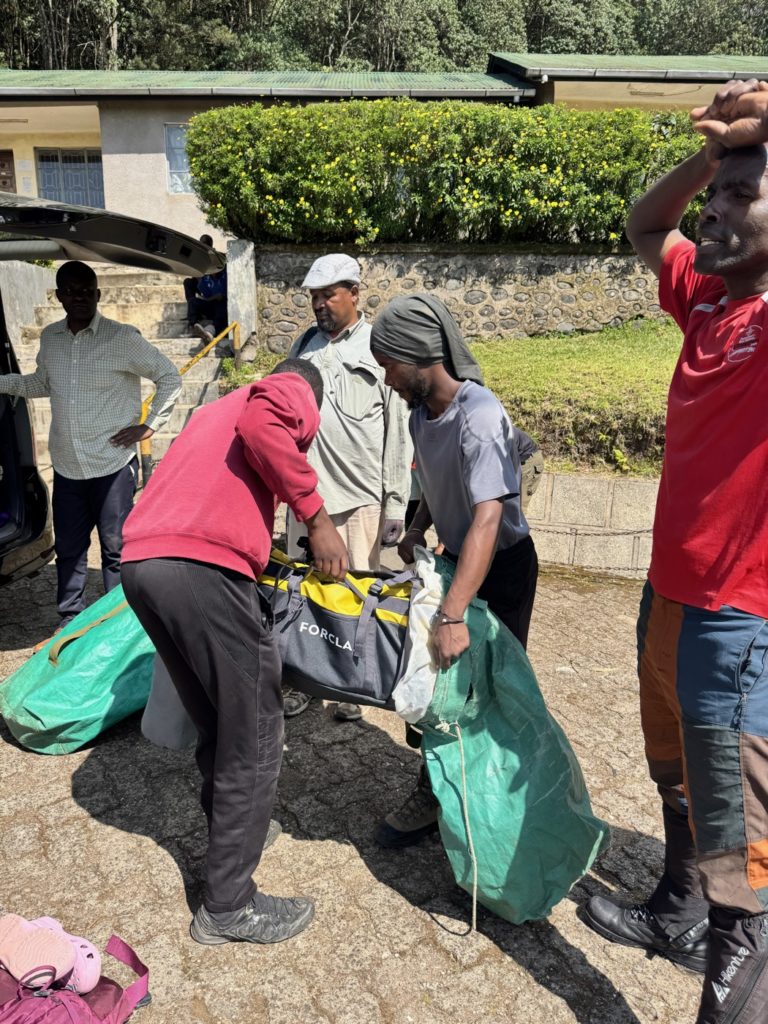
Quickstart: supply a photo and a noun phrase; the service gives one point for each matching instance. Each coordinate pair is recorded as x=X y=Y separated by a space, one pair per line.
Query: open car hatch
x=48 y=229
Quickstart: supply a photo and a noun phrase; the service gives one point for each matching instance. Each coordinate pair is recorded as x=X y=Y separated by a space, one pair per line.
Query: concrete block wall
x=591 y=522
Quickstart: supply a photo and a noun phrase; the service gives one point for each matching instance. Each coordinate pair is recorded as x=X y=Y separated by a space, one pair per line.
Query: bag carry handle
x=137 y=990
x=26 y=994
x=56 y=648
x=371 y=601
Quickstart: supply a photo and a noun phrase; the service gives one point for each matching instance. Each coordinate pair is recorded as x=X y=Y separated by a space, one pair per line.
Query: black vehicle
x=26 y=535
x=34 y=229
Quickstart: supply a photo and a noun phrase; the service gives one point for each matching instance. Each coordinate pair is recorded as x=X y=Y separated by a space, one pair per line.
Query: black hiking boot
x=634 y=924
x=736 y=983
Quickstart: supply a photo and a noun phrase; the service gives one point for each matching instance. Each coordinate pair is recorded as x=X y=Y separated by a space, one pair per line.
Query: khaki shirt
x=362 y=453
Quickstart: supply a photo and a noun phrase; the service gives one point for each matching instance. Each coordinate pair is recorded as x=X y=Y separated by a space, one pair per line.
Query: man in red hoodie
x=192 y=549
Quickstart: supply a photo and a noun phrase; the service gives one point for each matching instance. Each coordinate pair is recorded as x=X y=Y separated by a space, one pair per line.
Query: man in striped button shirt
x=91 y=368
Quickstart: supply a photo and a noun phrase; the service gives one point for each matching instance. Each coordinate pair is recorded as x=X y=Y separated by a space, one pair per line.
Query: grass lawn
x=592 y=401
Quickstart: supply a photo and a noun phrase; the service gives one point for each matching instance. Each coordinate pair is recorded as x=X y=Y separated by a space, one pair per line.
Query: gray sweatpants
x=210 y=628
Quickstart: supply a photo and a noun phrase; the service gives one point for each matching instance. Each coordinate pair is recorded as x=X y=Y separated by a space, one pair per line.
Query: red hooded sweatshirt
x=213 y=496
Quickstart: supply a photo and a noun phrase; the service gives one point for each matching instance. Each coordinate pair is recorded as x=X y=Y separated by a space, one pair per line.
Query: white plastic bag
x=165 y=722
x=413 y=693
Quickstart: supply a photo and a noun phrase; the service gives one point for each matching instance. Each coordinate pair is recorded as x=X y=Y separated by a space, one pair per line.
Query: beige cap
x=332 y=269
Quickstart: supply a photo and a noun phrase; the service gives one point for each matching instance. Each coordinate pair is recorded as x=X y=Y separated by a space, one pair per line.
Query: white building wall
x=135 y=165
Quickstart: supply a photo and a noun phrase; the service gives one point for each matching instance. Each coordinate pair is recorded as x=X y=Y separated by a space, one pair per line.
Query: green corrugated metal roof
x=21 y=84
x=719 y=68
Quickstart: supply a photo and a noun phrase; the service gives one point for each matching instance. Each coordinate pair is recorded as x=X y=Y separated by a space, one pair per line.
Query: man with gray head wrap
x=466 y=454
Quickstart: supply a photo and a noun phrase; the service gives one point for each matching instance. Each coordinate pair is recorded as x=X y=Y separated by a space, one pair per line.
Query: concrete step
x=129 y=277
x=179 y=352
x=178 y=418
x=181 y=349
x=161 y=442
x=136 y=314
x=193 y=392
x=173 y=327
x=131 y=295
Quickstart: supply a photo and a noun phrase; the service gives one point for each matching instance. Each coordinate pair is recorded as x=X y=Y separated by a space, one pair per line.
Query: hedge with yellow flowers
x=437 y=172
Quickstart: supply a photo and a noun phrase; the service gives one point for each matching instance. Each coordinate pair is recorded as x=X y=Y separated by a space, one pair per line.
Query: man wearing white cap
x=362 y=452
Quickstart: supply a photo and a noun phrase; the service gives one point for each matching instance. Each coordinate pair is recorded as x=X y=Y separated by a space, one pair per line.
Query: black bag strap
x=306 y=337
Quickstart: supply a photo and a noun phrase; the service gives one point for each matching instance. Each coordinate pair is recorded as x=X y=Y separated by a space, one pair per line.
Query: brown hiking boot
x=413 y=820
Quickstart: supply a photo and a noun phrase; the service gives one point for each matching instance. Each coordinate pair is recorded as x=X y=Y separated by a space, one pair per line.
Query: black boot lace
x=640 y=912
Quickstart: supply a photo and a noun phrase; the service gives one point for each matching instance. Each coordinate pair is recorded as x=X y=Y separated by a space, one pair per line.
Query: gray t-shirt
x=468 y=455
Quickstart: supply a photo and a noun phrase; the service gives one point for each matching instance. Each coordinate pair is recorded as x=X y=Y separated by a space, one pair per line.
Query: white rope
x=446 y=727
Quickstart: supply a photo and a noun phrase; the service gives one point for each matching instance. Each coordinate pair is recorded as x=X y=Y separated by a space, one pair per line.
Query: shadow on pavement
x=337 y=781
x=28 y=608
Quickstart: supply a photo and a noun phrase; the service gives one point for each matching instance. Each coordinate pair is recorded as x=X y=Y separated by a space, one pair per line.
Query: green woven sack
x=515 y=817
x=95 y=672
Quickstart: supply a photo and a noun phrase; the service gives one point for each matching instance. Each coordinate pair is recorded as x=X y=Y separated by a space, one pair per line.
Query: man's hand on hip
x=130 y=436
x=390 y=532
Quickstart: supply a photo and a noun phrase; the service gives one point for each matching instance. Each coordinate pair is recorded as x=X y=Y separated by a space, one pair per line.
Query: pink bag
x=107 y=1003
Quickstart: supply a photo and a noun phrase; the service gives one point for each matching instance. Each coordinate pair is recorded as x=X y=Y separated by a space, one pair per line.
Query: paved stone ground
x=111 y=838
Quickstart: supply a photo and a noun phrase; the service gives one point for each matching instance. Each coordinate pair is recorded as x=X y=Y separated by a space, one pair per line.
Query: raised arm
x=653 y=226
x=737 y=116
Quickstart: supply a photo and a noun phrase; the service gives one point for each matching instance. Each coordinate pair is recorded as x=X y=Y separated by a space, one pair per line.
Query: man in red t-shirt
x=192 y=549
x=702 y=631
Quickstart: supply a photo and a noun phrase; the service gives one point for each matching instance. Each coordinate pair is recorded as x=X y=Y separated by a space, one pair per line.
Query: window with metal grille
x=70 y=175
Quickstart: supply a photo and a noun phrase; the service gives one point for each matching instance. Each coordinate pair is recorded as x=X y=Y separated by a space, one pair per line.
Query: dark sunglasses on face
x=73 y=292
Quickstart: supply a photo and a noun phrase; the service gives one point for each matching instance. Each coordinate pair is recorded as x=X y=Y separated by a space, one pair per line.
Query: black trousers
x=510 y=586
x=78 y=506
x=210 y=628
x=510 y=589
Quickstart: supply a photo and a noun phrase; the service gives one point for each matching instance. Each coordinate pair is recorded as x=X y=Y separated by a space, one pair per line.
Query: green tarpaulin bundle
x=515 y=817
x=92 y=674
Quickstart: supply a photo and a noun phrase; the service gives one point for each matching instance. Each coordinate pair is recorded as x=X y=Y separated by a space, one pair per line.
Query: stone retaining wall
x=492 y=294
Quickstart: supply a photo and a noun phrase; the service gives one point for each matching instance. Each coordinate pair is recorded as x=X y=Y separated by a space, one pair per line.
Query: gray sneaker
x=346 y=712
x=203 y=333
x=264 y=919
x=295 y=702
